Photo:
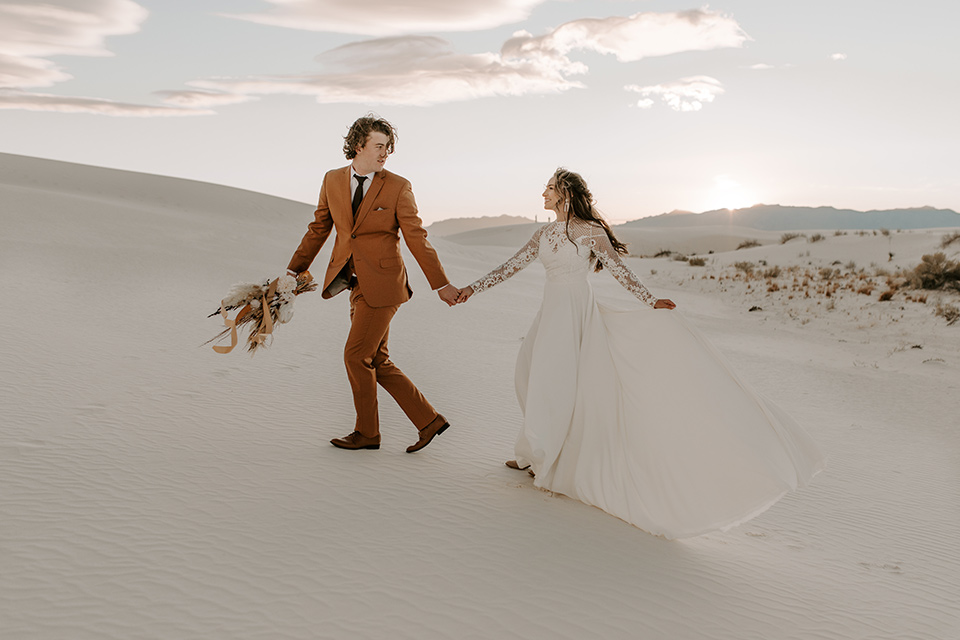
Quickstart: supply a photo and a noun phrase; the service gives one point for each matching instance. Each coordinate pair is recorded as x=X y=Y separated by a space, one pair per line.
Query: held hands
x=452 y=295
x=449 y=294
x=465 y=294
x=664 y=303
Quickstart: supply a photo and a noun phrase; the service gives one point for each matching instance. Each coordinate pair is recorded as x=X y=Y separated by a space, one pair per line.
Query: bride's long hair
x=578 y=203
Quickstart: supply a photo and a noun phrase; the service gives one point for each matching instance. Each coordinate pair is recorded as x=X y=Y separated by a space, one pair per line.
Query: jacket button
x=353 y=235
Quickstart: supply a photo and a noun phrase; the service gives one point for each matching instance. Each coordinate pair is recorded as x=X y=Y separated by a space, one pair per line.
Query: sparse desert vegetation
x=949 y=239
x=936 y=271
x=949 y=312
x=894 y=284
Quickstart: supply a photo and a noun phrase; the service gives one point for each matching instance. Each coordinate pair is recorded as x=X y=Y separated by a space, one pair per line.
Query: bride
x=634 y=411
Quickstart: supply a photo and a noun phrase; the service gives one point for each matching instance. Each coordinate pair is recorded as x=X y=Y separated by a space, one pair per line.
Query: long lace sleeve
x=527 y=254
x=595 y=238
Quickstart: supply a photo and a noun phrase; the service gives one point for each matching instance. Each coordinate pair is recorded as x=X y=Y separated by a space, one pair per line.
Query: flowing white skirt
x=636 y=413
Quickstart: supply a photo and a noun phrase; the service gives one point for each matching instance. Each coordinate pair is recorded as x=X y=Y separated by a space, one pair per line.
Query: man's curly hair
x=361 y=130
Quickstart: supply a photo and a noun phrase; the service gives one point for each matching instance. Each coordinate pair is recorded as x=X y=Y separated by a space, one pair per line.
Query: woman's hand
x=662 y=303
x=465 y=294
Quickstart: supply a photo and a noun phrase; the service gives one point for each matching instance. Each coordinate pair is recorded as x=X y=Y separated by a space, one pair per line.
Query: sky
x=661 y=105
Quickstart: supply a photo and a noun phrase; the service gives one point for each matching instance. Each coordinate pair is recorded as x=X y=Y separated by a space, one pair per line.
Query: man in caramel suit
x=370 y=207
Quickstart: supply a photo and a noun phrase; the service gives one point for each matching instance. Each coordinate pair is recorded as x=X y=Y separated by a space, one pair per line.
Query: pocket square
x=380 y=209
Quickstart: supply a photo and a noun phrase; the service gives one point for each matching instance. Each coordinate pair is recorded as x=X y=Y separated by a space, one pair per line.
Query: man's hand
x=449 y=294
x=664 y=303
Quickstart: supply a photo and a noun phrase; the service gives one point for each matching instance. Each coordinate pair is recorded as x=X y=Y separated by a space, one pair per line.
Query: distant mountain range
x=454 y=226
x=774 y=217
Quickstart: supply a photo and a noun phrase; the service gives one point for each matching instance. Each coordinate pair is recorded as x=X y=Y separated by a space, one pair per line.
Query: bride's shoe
x=513 y=465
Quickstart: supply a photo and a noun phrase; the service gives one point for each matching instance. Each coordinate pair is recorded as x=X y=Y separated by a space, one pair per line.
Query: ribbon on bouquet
x=266 y=327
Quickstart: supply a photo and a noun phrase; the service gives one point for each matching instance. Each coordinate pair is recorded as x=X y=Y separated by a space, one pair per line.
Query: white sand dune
x=154 y=489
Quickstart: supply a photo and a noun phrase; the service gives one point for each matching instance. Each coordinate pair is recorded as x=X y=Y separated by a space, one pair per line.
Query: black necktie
x=358 y=194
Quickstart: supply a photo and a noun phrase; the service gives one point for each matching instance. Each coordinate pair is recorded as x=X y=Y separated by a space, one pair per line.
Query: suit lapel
x=339 y=198
x=368 y=199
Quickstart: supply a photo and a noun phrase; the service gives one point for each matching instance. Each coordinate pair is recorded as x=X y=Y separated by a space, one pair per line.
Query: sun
x=727 y=193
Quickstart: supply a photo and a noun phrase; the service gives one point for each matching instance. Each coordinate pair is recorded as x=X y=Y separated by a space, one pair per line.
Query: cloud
x=761 y=66
x=409 y=70
x=631 y=38
x=29 y=33
x=686 y=94
x=202 y=98
x=388 y=17
x=838 y=56
x=425 y=70
x=14 y=99
x=18 y=71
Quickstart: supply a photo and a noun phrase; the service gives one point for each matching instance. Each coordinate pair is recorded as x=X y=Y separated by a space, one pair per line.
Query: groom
x=370 y=207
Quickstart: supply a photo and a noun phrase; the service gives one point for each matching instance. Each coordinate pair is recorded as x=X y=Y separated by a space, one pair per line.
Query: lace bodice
x=567 y=261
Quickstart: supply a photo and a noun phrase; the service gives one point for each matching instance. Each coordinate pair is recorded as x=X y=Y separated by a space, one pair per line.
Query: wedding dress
x=634 y=411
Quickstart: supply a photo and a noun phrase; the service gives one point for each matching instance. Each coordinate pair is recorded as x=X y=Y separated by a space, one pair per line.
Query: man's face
x=373 y=154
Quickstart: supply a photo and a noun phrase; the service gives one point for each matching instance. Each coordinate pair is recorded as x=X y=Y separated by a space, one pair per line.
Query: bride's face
x=551 y=198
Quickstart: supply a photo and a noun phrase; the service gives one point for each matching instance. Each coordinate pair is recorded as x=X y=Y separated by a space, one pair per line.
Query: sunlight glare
x=727 y=193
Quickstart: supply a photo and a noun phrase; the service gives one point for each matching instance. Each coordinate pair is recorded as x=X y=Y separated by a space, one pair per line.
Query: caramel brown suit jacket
x=372 y=239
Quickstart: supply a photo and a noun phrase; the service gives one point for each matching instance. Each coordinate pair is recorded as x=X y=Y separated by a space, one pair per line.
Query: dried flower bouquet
x=251 y=298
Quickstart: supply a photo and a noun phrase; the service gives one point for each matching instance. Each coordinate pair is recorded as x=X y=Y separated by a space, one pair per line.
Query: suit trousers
x=368 y=364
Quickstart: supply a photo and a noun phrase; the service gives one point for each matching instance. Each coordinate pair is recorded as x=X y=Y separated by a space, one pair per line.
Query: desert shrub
x=772 y=272
x=827 y=273
x=949 y=239
x=861 y=233
x=787 y=237
x=663 y=253
x=936 y=272
x=949 y=312
x=850 y=266
x=746 y=267
x=817 y=237
x=885 y=232
x=887 y=295
x=746 y=244
x=839 y=232
x=697 y=262
x=679 y=257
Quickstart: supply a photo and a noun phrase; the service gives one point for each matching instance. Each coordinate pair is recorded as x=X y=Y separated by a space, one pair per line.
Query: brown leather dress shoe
x=357 y=440
x=429 y=432
x=514 y=465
